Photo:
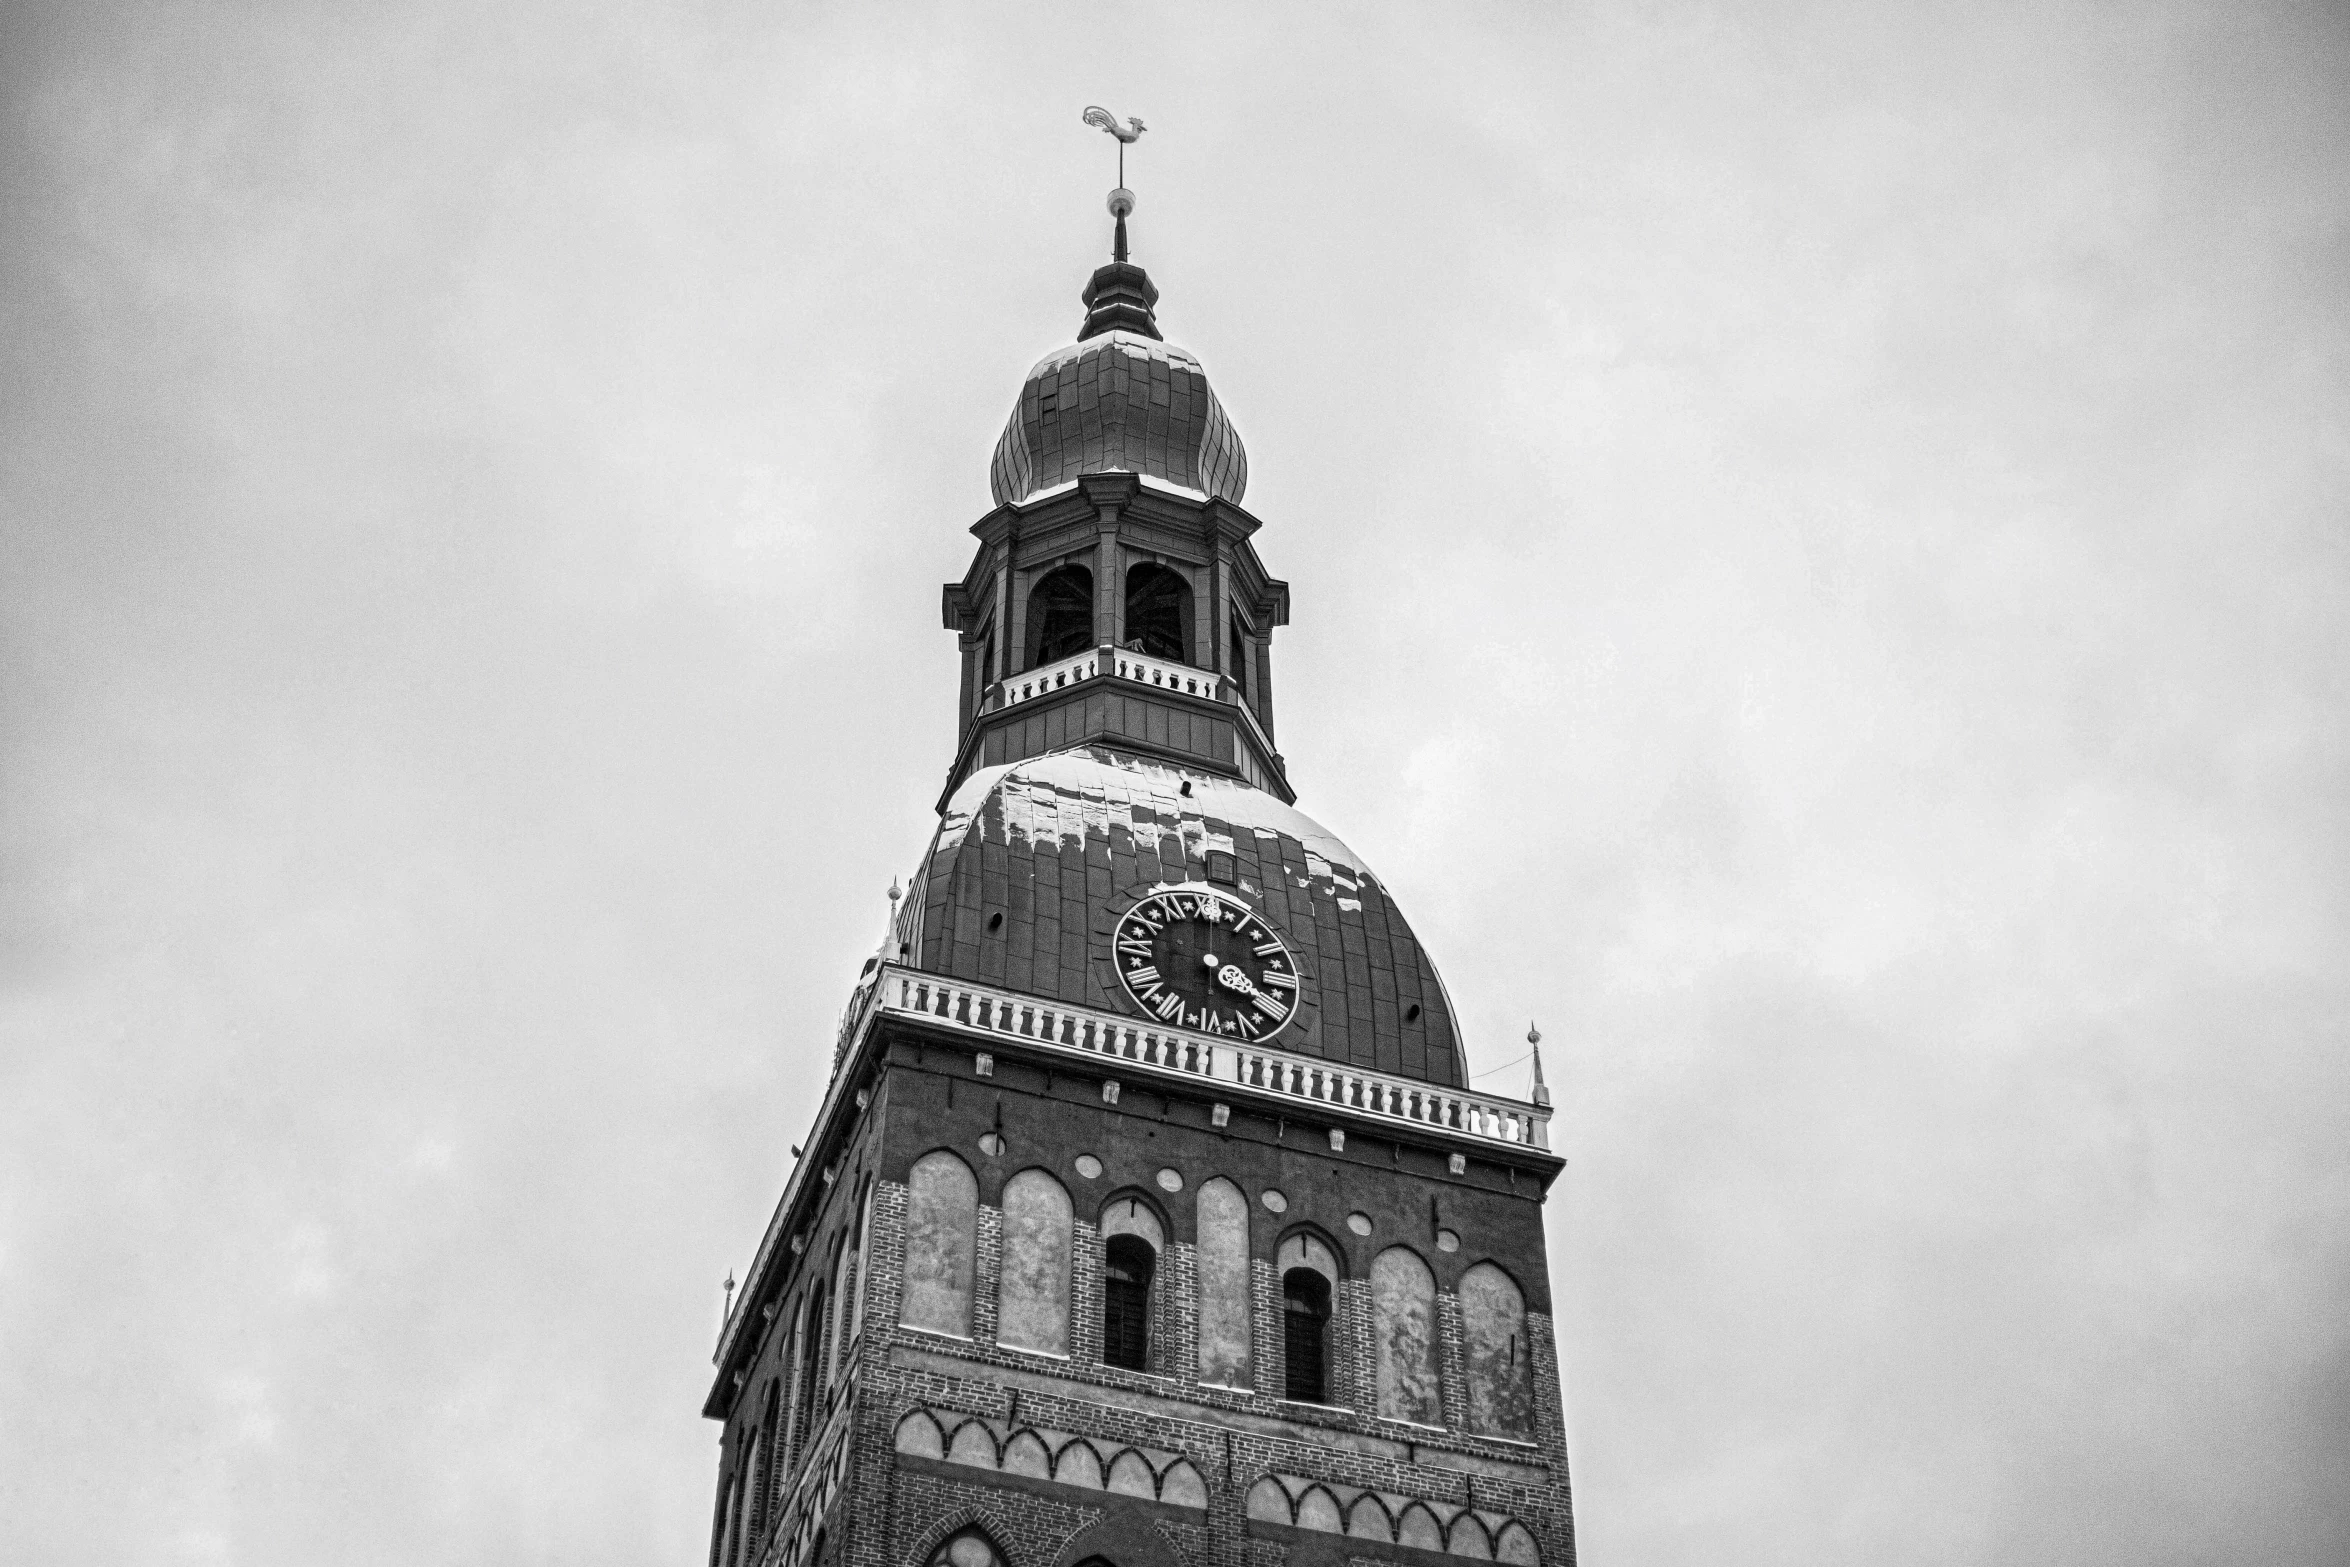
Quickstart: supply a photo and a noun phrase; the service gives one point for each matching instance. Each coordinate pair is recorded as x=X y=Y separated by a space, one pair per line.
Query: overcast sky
x=1818 y=543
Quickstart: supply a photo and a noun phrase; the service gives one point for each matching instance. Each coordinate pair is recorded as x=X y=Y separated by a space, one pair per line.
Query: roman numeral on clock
x=1142 y=976
x=1167 y=1004
x=1278 y=976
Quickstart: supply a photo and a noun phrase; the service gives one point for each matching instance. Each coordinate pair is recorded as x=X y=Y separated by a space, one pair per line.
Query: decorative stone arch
x=1467 y=1537
x=973 y=1443
x=1368 y=1519
x=1268 y=1502
x=1417 y=1527
x=918 y=1435
x=1130 y=1474
x=1122 y=1538
x=1318 y=1509
x=1079 y=1463
x=1308 y=1245
x=977 y=1519
x=1181 y=1486
x=1515 y=1545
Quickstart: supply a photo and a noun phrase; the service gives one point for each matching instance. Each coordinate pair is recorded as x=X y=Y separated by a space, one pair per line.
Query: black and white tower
x=1149 y=1219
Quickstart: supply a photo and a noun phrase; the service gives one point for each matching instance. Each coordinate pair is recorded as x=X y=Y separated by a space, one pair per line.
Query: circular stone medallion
x=1275 y=1201
x=1360 y=1223
x=1089 y=1167
x=1170 y=1180
x=1446 y=1240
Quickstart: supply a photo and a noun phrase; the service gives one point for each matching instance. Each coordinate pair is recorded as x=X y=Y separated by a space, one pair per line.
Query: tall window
x=1305 y=1320
x=1127 y=1267
x=1060 y=615
x=1158 y=612
x=1239 y=658
x=811 y=1375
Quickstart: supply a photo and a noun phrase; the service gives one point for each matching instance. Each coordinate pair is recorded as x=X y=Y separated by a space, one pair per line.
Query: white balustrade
x=1168 y=675
x=983 y=1009
x=1031 y=684
x=1141 y=668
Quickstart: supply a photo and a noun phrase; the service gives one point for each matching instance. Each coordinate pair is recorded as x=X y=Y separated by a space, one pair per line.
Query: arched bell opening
x=1158 y=613
x=1060 y=615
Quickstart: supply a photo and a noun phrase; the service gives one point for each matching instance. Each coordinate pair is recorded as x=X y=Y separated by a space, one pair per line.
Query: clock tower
x=1149 y=1219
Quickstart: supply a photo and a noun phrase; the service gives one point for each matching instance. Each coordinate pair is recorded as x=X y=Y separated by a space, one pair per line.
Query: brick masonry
x=847 y=1496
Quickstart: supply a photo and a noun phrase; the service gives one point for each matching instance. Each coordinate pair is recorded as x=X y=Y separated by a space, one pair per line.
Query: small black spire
x=1120 y=296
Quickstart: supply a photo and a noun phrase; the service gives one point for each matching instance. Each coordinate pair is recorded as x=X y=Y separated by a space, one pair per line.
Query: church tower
x=1149 y=1219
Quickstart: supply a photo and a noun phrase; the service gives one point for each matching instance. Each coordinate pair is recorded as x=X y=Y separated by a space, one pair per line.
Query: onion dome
x=1118 y=400
x=1036 y=861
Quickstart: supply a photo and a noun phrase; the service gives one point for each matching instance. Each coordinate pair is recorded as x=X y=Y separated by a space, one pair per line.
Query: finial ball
x=1121 y=202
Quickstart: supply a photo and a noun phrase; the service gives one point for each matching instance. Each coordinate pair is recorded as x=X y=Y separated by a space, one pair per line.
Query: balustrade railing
x=1168 y=675
x=1141 y=668
x=1031 y=684
x=987 y=1011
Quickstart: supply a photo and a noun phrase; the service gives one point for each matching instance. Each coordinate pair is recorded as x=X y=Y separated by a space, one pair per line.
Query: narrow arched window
x=1221 y=1264
x=1060 y=615
x=942 y=1220
x=1158 y=613
x=1032 y=1298
x=1240 y=660
x=1403 y=1313
x=1128 y=1264
x=1305 y=1335
x=1495 y=1358
x=811 y=1403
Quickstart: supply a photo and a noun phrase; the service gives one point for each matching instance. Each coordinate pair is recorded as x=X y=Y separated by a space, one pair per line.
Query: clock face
x=1202 y=961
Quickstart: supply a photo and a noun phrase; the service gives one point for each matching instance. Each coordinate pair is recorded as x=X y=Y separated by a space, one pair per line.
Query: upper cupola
x=1118 y=400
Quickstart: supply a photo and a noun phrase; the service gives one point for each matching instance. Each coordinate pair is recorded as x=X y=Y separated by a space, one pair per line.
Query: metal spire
x=1121 y=199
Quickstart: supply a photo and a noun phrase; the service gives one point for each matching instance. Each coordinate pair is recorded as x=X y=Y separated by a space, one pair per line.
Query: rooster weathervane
x=1095 y=114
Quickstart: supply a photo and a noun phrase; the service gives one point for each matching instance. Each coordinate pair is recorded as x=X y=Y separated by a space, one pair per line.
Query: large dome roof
x=1035 y=861
x=1118 y=400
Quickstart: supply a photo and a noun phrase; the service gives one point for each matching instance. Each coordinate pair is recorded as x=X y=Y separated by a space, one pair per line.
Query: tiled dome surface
x=1060 y=845
x=1118 y=401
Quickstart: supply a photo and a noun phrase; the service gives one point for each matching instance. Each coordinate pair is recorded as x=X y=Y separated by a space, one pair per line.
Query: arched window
x=1495 y=1359
x=763 y=1464
x=844 y=1285
x=1060 y=615
x=864 y=1243
x=1222 y=1266
x=1131 y=1242
x=729 y=1516
x=1305 y=1335
x=1239 y=659
x=1158 y=612
x=811 y=1403
x=1032 y=1303
x=1127 y=1268
x=942 y=1218
x=1309 y=1286
x=1403 y=1310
